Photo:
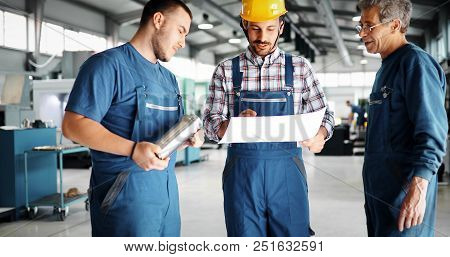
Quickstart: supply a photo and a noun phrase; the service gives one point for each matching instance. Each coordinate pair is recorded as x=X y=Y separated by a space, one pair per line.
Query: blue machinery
x=29 y=178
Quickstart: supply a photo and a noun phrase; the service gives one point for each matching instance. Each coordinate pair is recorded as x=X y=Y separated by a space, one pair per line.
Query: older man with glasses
x=407 y=126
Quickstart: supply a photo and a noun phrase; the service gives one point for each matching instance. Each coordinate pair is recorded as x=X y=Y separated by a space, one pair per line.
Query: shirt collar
x=258 y=60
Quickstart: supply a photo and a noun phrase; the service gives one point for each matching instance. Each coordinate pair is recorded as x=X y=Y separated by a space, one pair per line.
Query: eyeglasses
x=366 y=28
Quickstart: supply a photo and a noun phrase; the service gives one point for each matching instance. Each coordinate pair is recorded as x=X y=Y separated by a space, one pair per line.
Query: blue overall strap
x=237 y=81
x=289 y=70
x=140 y=101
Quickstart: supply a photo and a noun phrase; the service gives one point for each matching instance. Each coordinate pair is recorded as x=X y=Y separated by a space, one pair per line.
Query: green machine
x=191 y=101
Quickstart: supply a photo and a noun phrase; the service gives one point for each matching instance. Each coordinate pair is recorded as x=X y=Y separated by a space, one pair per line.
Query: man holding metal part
x=122 y=102
x=407 y=126
x=264 y=184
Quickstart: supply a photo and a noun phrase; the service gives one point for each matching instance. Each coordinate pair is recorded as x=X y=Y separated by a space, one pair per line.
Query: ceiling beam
x=297 y=30
x=329 y=37
x=325 y=11
x=432 y=3
x=298 y=8
x=218 y=12
x=127 y=18
x=88 y=7
x=320 y=25
x=215 y=43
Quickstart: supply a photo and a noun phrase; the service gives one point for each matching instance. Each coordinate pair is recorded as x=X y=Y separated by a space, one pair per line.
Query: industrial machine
x=15 y=102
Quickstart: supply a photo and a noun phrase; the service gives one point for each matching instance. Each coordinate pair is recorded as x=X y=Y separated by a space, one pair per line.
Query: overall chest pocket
x=378 y=123
x=157 y=114
x=265 y=103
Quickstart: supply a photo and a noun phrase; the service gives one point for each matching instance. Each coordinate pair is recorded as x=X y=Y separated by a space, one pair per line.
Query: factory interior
x=45 y=176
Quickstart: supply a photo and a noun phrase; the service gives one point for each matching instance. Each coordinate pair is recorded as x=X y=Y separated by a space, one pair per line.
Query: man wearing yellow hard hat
x=264 y=184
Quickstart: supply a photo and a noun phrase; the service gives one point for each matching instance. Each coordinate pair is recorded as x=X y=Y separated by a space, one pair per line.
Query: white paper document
x=289 y=128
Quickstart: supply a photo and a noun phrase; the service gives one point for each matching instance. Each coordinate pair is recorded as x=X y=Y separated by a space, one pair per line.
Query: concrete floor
x=335 y=188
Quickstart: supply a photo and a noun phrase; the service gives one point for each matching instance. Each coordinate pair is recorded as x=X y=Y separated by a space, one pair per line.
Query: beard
x=158 y=49
x=266 y=50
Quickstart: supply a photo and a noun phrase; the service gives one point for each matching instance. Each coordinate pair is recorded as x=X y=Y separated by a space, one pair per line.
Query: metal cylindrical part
x=178 y=134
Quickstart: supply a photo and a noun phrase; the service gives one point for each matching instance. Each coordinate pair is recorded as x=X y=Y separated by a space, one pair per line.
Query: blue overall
x=126 y=200
x=360 y=111
x=264 y=184
x=407 y=130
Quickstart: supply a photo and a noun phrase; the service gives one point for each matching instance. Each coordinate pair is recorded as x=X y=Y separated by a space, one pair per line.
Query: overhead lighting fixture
x=361 y=47
x=234 y=39
x=205 y=24
x=363 y=62
x=356 y=18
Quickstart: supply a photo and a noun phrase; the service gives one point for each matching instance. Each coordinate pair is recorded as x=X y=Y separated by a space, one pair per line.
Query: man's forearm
x=92 y=134
x=323 y=131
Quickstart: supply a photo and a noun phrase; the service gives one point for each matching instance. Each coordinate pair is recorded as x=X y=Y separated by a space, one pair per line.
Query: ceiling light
x=234 y=39
x=356 y=18
x=205 y=24
x=361 y=47
x=363 y=62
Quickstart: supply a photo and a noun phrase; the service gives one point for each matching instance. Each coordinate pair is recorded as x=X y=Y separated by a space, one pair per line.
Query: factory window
x=15 y=31
x=358 y=79
x=30 y=34
x=95 y=43
x=321 y=78
x=71 y=43
x=331 y=80
x=344 y=79
x=52 y=39
x=2 y=29
x=370 y=78
x=441 y=53
x=79 y=41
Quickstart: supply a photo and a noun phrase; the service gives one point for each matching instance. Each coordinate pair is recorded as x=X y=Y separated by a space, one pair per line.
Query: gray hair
x=390 y=10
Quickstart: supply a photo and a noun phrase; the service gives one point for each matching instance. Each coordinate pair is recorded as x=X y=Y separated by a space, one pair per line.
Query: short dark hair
x=154 y=6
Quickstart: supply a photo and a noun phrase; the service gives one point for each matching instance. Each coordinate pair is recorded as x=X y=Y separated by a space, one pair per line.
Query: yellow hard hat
x=262 y=10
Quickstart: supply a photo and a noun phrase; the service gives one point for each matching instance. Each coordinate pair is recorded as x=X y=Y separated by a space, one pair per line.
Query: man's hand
x=224 y=125
x=144 y=156
x=222 y=129
x=248 y=113
x=414 y=204
x=316 y=143
x=196 y=140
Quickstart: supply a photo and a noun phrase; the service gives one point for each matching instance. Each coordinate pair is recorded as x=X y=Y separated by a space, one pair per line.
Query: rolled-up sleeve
x=313 y=98
x=216 y=109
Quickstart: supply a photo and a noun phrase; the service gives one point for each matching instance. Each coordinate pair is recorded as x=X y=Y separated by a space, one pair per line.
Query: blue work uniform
x=360 y=111
x=264 y=184
x=137 y=100
x=406 y=137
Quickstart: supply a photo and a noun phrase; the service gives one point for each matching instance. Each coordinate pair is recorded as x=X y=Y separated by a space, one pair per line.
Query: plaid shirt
x=308 y=95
